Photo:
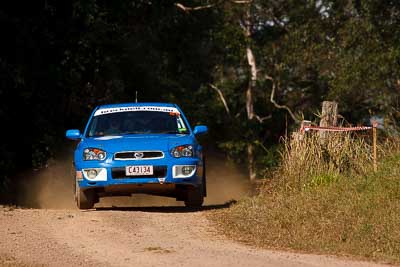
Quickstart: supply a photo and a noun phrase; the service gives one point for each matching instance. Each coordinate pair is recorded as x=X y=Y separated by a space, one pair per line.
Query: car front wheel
x=84 y=199
x=195 y=197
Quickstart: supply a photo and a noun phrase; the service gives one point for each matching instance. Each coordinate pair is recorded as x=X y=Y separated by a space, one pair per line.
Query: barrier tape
x=335 y=129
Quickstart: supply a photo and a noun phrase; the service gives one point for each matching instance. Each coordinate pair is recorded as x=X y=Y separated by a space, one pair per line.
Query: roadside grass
x=325 y=208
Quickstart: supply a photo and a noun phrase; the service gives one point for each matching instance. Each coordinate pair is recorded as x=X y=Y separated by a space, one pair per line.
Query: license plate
x=138 y=170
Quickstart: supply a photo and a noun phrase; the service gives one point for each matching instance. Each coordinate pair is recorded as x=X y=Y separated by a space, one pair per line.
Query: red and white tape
x=335 y=129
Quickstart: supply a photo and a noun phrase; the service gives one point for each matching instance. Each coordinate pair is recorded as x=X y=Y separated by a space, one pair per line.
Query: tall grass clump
x=308 y=160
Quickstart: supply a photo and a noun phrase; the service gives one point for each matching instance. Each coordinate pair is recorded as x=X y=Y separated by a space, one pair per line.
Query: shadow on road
x=169 y=209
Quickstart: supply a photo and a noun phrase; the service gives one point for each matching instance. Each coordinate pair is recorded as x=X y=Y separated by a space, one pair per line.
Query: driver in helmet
x=114 y=123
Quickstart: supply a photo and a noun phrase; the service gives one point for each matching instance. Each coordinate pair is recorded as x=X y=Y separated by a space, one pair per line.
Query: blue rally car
x=145 y=148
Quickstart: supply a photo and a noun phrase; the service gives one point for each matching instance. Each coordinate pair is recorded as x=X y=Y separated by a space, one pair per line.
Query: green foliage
x=323 y=179
x=267 y=157
x=235 y=149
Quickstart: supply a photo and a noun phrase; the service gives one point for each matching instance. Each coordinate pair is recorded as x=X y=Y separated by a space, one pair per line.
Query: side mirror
x=200 y=129
x=73 y=134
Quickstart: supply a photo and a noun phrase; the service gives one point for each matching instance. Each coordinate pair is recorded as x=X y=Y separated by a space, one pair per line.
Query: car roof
x=155 y=104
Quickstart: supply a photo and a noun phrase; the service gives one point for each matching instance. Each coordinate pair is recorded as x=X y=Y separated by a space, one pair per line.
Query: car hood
x=114 y=144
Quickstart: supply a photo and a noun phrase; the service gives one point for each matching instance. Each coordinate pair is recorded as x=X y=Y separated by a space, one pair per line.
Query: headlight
x=182 y=151
x=94 y=154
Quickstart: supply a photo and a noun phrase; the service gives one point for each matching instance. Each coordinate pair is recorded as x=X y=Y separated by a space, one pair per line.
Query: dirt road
x=157 y=232
x=164 y=236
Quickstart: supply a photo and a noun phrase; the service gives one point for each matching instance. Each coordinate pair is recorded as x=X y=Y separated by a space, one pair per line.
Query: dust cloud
x=226 y=181
x=48 y=188
x=52 y=187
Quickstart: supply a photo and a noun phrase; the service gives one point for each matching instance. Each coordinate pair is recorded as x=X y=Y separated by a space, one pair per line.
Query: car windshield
x=137 y=122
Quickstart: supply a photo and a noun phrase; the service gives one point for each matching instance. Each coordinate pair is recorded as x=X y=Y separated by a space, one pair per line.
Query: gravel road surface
x=145 y=236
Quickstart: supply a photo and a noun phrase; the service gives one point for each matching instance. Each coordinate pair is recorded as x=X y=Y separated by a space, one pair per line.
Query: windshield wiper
x=167 y=132
x=172 y=132
x=158 y=132
x=135 y=132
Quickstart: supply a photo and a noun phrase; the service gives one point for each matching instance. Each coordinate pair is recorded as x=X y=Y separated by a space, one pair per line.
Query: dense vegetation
x=59 y=59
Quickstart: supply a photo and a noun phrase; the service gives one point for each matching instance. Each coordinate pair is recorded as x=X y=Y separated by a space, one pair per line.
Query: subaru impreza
x=146 y=148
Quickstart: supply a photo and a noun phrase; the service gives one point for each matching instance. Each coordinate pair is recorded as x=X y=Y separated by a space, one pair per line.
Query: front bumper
x=114 y=174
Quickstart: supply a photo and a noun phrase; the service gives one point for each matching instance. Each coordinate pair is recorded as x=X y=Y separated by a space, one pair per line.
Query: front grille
x=138 y=155
x=158 y=172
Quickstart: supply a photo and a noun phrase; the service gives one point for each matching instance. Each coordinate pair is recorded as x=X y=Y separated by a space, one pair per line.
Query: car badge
x=138 y=155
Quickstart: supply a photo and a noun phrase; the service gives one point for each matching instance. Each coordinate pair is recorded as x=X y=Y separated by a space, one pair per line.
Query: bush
x=308 y=160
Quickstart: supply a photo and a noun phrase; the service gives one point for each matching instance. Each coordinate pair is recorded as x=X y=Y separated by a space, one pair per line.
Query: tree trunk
x=252 y=82
x=249 y=92
x=251 y=163
x=250 y=109
x=328 y=117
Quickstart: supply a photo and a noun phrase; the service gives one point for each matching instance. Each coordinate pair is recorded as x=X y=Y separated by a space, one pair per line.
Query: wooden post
x=305 y=123
x=374 y=137
x=328 y=116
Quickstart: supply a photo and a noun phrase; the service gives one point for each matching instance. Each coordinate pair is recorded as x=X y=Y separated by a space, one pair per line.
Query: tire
x=73 y=180
x=204 y=178
x=195 y=197
x=84 y=199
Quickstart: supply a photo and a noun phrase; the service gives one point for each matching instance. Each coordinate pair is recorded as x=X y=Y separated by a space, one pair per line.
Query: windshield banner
x=128 y=109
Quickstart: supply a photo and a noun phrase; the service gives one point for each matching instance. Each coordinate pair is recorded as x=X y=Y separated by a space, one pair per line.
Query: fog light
x=186 y=170
x=91 y=174
x=183 y=171
x=95 y=174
